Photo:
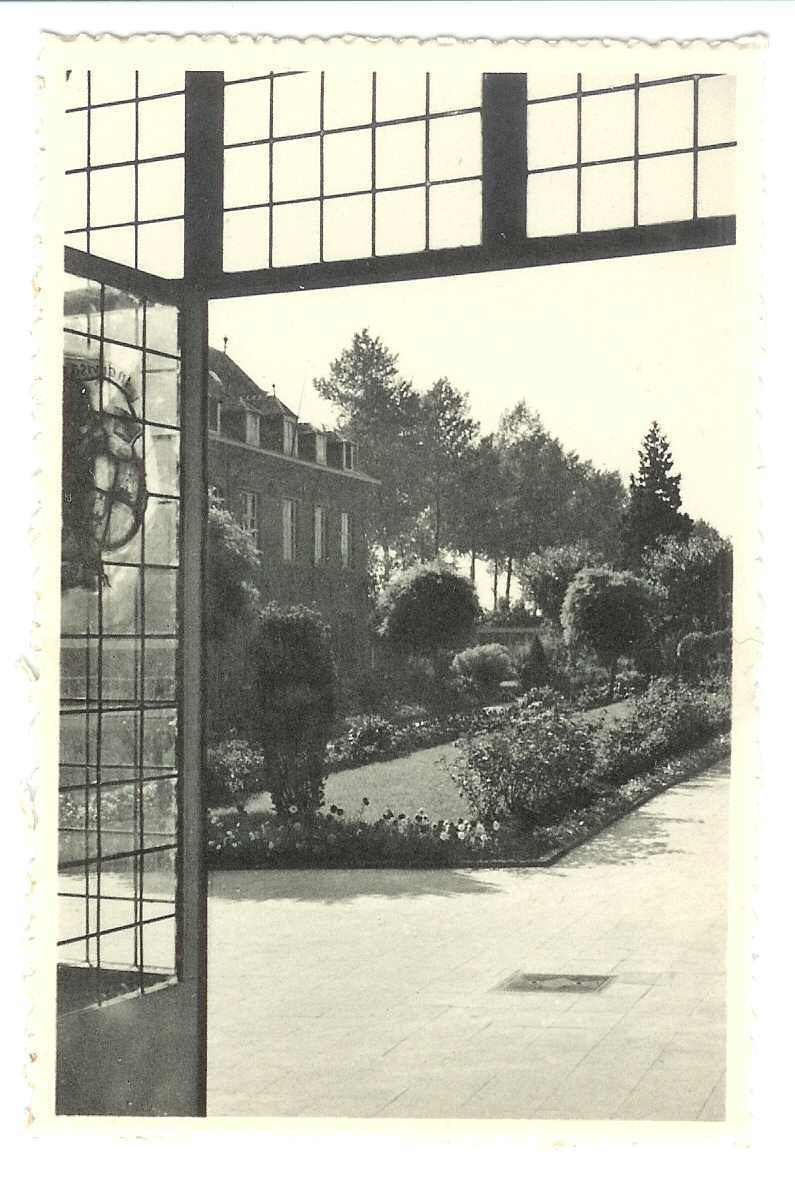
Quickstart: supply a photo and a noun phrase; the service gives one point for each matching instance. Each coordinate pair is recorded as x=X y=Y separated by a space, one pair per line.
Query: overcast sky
x=599 y=349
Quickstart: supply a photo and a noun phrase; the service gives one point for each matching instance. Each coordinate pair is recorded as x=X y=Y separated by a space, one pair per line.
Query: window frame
x=289 y=530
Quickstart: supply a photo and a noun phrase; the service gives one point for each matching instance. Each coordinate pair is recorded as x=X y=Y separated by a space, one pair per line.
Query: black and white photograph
x=406 y=640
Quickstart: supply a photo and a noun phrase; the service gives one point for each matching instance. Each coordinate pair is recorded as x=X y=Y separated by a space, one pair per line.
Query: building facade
x=299 y=494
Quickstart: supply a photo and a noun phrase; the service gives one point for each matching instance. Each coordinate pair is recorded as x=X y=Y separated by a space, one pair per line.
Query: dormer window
x=288 y=435
x=320 y=449
x=348 y=456
x=252 y=428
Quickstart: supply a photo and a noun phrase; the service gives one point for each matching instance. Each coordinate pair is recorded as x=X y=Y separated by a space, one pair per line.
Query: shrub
x=427 y=609
x=666 y=720
x=484 y=666
x=529 y=769
x=698 y=655
x=609 y=613
x=295 y=690
x=233 y=567
x=695 y=576
x=369 y=736
x=545 y=576
x=235 y=771
x=531 y=664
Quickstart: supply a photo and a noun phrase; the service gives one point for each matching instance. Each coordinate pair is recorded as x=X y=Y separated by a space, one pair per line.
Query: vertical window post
x=504 y=132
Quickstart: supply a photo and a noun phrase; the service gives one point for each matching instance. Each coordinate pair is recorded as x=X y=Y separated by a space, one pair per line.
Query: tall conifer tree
x=655 y=501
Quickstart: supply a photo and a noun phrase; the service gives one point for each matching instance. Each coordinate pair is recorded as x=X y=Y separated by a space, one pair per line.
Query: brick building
x=298 y=492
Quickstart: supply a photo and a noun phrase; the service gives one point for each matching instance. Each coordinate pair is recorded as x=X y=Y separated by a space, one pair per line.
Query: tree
x=476 y=518
x=695 y=578
x=534 y=484
x=608 y=612
x=380 y=411
x=232 y=602
x=233 y=567
x=545 y=576
x=655 y=501
x=445 y=438
x=427 y=609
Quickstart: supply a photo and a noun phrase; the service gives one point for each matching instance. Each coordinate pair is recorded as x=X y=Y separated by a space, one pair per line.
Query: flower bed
x=373 y=738
x=262 y=841
x=538 y=782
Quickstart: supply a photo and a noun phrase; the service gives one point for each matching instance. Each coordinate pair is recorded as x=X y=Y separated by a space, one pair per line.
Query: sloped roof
x=236 y=389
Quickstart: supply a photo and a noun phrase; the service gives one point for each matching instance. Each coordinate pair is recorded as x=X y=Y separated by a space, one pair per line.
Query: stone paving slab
x=376 y=993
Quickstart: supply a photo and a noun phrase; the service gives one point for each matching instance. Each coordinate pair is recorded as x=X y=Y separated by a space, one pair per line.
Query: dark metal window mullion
x=636 y=153
x=100 y=676
x=373 y=149
x=695 y=147
x=579 y=153
x=88 y=162
x=427 y=161
x=321 y=148
x=138 y=810
x=270 y=169
x=136 y=176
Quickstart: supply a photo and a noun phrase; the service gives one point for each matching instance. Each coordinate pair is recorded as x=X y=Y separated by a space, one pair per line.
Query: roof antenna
x=226 y=341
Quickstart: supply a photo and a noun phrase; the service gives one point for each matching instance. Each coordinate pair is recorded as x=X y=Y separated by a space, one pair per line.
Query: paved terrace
x=372 y=993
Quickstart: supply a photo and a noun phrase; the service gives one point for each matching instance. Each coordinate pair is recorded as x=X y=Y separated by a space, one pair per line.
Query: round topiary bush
x=486 y=666
x=427 y=609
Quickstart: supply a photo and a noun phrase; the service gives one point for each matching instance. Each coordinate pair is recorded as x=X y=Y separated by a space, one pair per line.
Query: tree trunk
x=472 y=566
x=494 y=586
x=437 y=528
x=508 y=579
x=612 y=686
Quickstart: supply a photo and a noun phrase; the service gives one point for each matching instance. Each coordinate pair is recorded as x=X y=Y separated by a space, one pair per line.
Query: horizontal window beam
x=699 y=233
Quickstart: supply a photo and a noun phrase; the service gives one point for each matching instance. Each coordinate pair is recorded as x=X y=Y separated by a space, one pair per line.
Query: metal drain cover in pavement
x=555 y=983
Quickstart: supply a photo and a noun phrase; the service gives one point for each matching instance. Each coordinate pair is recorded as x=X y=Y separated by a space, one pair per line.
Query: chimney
x=226 y=341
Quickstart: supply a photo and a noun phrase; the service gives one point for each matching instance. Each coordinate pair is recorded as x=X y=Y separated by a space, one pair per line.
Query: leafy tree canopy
x=426 y=609
x=545 y=576
x=233 y=566
x=608 y=612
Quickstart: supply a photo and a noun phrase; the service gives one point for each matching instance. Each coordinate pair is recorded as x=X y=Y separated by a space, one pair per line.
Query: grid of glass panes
x=320 y=167
x=124 y=144
x=610 y=152
x=119 y=649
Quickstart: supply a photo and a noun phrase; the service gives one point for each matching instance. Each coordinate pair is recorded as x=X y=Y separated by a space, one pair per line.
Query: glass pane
x=246 y=111
x=666 y=117
x=246 y=176
x=400 y=155
x=608 y=196
x=552 y=204
x=400 y=221
x=665 y=189
x=455 y=215
x=552 y=134
x=119 y=648
x=246 y=239
x=296 y=234
x=347 y=228
x=347 y=162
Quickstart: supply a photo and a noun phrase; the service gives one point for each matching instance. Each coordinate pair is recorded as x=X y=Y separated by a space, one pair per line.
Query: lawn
x=408 y=783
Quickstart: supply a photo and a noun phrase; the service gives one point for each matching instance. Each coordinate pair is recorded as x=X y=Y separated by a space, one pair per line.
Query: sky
x=598 y=349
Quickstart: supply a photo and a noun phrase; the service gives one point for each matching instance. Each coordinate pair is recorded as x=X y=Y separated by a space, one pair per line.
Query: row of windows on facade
x=308 y=444
x=321 y=540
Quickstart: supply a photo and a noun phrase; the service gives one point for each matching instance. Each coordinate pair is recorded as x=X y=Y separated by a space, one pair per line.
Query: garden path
x=407 y=783
x=376 y=993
